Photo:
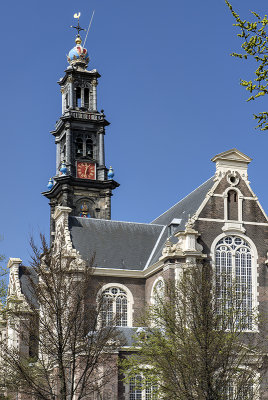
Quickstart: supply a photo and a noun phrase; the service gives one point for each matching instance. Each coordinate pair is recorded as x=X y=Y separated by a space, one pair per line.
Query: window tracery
x=232 y=392
x=233 y=260
x=115 y=307
x=141 y=389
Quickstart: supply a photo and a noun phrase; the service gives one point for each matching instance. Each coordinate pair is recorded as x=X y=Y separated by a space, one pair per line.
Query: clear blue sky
x=169 y=88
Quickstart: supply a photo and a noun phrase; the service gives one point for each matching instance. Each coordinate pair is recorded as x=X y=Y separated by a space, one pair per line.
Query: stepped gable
x=115 y=244
x=181 y=210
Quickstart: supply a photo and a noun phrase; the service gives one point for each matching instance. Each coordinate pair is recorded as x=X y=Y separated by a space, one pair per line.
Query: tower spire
x=82 y=180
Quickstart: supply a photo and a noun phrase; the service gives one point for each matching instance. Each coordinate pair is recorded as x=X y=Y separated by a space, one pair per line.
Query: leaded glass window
x=232 y=392
x=114 y=309
x=140 y=390
x=233 y=259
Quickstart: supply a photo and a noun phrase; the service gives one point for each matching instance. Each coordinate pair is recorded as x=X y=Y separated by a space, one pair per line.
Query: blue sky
x=169 y=88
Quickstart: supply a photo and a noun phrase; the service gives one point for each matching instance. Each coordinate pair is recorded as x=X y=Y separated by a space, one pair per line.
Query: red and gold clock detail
x=86 y=170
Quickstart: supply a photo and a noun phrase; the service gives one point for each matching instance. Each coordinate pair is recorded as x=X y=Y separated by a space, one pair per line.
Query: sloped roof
x=28 y=277
x=181 y=210
x=131 y=245
x=128 y=334
x=115 y=244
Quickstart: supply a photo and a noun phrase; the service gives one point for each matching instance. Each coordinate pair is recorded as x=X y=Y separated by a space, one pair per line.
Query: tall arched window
x=141 y=389
x=115 y=307
x=244 y=393
x=233 y=260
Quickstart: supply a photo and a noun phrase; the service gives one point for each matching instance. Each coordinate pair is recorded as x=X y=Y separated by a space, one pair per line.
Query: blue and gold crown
x=78 y=55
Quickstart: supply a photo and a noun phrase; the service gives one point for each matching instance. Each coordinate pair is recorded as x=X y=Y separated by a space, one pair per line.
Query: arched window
x=232 y=205
x=236 y=391
x=141 y=389
x=79 y=147
x=233 y=261
x=116 y=306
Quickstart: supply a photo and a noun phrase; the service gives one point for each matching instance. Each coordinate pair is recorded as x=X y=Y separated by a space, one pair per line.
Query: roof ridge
x=155 y=247
x=114 y=220
x=181 y=200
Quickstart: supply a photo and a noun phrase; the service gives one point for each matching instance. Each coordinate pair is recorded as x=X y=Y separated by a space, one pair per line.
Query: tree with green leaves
x=196 y=344
x=255 y=46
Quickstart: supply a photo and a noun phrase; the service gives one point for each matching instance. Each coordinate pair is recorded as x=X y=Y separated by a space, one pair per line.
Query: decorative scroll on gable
x=15 y=298
x=62 y=237
x=186 y=245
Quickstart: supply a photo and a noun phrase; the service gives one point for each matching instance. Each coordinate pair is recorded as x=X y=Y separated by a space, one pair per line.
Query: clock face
x=86 y=170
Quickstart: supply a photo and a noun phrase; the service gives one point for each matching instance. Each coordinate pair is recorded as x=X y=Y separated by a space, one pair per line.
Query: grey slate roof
x=128 y=334
x=181 y=210
x=131 y=245
x=116 y=244
x=27 y=276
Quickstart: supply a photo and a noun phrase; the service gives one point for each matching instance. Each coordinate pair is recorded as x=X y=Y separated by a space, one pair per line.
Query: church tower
x=82 y=181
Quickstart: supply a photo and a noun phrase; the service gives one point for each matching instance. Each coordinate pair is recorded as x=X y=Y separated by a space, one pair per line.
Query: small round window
x=233 y=179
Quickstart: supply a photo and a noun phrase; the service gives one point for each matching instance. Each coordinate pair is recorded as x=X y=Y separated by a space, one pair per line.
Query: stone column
x=63 y=101
x=82 y=97
x=58 y=160
x=71 y=92
x=94 y=90
x=68 y=148
x=101 y=147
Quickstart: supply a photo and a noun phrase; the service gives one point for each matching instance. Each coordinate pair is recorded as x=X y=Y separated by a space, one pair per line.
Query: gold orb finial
x=78 y=39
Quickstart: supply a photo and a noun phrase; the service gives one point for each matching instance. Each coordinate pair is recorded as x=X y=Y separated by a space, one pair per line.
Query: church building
x=221 y=221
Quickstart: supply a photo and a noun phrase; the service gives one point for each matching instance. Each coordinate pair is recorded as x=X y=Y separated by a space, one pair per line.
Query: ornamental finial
x=78 y=56
x=78 y=39
x=110 y=173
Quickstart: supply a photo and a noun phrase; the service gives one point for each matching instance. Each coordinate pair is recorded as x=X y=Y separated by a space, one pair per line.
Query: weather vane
x=78 y=27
